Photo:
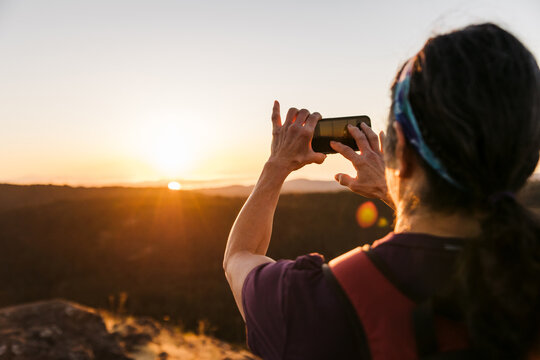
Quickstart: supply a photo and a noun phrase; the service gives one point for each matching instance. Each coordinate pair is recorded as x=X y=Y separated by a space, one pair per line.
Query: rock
x=149 y=323
x=63 y=330
x=133 y=333
x=56 y=329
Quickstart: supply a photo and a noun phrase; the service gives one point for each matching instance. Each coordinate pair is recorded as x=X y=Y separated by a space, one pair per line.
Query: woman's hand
x=291 y=142
x=369 y=164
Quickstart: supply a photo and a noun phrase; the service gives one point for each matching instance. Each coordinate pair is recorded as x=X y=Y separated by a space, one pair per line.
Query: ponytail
x=500 y=282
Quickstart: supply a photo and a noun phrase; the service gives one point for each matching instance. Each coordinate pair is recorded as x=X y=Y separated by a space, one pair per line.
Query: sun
x=174 y=185
x=169 y=155
x=168 y=147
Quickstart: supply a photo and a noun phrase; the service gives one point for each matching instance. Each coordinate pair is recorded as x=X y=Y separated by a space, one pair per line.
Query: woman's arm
x=251 y=232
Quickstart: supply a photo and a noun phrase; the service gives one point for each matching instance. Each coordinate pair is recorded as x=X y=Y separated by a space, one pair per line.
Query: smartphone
x=336 y=129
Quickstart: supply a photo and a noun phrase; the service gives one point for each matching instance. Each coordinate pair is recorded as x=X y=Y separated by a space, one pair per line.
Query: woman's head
x=475 y=97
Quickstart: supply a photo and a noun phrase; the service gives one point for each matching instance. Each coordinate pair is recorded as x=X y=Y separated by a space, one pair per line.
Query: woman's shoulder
x=308 y=262
x=277 y=275
x=289 y=307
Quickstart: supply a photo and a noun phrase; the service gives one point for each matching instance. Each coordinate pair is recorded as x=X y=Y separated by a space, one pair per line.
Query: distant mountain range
x=18 y=196
x=293 y=186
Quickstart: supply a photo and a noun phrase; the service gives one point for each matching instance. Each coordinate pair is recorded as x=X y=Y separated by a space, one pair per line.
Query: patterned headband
x=405 y=117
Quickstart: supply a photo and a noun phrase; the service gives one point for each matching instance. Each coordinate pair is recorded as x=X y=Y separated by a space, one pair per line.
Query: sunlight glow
x=167 y=142
x=174 y=185
x=170 y=151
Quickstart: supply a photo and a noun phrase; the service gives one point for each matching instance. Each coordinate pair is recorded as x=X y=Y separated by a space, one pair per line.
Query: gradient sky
x=118 y=91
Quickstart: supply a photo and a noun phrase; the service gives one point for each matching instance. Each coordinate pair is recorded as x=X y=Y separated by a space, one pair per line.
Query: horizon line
x=186 y=184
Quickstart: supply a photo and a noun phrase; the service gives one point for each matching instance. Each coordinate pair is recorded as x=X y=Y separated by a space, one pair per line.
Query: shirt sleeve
x=291 y=312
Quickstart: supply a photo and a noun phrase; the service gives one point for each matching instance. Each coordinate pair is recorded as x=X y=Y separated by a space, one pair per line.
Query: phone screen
x=336 y=129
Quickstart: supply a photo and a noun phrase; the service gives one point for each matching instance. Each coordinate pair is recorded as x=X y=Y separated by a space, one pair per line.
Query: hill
x=154 y=251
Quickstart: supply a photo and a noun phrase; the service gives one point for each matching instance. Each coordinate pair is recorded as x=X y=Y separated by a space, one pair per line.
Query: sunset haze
x=122 y=92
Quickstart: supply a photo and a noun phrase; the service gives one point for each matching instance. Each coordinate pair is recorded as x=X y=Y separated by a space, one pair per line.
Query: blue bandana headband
x=405 y=117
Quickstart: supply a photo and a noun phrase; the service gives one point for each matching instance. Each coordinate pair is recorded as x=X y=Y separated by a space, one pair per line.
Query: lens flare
x=174 y=185
x=367 y=214
x=383 y=222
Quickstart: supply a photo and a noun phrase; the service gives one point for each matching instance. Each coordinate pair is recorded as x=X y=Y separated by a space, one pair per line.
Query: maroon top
x=292 y=312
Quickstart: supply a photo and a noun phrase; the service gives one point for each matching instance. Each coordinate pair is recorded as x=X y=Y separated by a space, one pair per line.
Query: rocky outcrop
x=62 y=330
x=56 y=329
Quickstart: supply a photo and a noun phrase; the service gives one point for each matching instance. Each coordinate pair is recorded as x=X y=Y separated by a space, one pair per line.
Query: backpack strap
x=379 y=307
x=390 y=321
x=424 y=329
x=425 y=334
x=436 y=337
x=346 y=304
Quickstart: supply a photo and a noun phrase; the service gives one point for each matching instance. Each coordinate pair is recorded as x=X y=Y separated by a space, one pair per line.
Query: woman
x=462 y=139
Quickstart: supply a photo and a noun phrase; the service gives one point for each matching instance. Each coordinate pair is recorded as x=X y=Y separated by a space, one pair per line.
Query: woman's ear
x=403 y=156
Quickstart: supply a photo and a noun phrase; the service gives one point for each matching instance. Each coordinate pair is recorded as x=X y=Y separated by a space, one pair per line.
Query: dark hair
x=475 y=93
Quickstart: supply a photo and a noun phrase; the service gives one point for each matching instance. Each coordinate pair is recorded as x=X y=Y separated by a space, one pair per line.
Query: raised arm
x=251 y=232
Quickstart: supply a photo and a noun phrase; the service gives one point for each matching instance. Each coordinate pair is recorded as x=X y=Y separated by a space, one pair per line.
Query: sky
x=108 y=92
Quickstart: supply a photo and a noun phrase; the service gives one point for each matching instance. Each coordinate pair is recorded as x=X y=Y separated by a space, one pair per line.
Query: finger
x=382 y=136
x=312 y=120
x=373 y=139
x=344 y=179
x=360 y=138
x=276 y=116
x=318 y=158
x=344 y=150
x=291 y=116
x=301 y=117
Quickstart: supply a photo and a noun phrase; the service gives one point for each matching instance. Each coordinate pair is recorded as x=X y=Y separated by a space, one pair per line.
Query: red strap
x=384 y=311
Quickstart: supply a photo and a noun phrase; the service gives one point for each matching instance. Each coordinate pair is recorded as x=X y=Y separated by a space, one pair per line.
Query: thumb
x=344 y=179
x=318 y=158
